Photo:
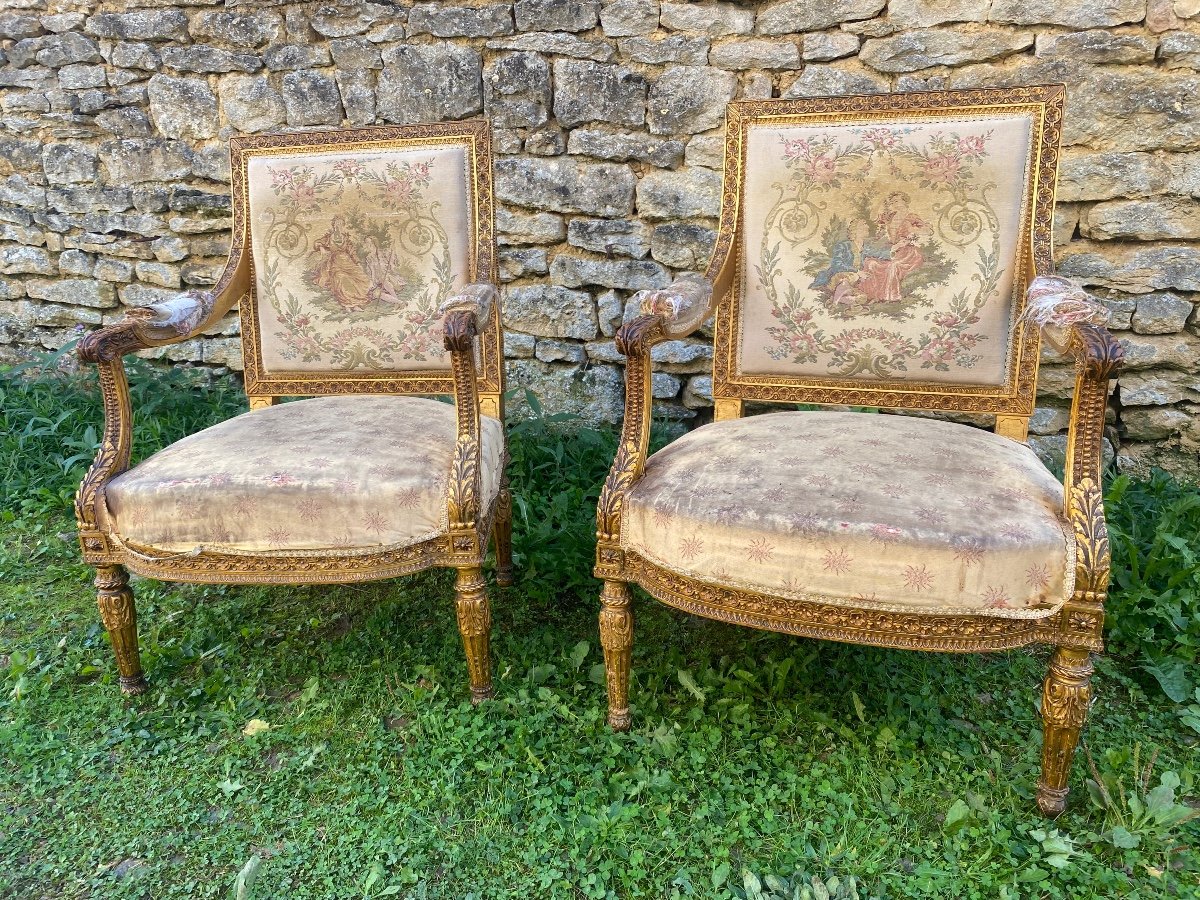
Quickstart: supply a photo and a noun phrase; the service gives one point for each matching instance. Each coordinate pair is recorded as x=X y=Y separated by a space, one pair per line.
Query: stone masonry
x=608 y=117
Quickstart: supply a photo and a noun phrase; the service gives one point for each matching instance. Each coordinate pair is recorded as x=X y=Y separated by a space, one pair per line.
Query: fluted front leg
x=1065 y=698
x=616 y=637
x=119 y=616
x=502 y=536
x=475 y=625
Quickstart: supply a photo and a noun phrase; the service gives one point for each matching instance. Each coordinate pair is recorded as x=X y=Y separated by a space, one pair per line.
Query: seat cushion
x=351 y=473
x=869 y=511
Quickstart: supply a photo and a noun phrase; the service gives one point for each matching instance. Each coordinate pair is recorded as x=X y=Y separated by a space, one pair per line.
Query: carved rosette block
x=119 y=615
x=616 y=637
x=475 y=625
x=1065 y=699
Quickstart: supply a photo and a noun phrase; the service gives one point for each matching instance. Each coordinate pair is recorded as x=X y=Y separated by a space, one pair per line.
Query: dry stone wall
x=608 y=118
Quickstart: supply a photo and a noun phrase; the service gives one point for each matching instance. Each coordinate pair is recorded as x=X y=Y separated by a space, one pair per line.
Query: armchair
x=875 y=251
x=364 y=265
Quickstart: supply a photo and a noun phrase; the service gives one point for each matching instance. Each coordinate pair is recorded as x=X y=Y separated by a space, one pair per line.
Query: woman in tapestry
x=338 y=269
x=880 y=276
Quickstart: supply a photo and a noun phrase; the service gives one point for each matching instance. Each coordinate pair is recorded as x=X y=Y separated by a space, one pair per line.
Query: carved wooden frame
x=1035 y=254
x=471 y=520
x=1075 y=630
x=475 y=136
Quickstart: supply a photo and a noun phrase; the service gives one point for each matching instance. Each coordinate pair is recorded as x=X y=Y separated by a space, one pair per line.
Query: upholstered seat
x=868 y=511
x=343 y=472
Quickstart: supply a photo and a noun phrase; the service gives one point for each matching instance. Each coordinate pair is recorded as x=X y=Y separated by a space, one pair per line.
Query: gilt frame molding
x=1016 y=396
x=475 y=136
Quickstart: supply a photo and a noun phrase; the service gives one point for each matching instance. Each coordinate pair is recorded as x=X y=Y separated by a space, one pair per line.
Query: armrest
x=683 y=306
x=170 y=321
x=477 y=298
x=1074 y=324
x=153 y=326
x=635 y=339
x=464 y=315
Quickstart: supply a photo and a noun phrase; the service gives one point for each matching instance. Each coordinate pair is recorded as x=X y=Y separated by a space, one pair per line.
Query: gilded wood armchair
x=875 y=252
x=363 y=262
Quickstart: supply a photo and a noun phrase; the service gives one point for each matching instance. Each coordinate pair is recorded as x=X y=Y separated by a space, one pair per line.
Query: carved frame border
x=475 y=134
x=1015 y=398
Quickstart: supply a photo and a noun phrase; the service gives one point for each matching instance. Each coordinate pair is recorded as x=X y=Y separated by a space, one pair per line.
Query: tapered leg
x=119 y=616
x=616 y=637
x=502 y=535
x=475 y=625
x=1065 y=699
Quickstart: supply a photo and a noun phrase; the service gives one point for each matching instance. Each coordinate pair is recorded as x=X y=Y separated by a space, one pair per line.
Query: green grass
x=753 y=756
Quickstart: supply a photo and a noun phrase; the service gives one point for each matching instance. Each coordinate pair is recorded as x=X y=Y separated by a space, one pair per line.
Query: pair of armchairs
x=873 y=252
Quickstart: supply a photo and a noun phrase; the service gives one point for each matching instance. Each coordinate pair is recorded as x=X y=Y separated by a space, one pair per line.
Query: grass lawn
x=756 y=762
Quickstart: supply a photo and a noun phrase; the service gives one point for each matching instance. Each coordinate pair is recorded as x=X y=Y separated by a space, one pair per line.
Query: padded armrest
x=683 y=306
x=478 y=298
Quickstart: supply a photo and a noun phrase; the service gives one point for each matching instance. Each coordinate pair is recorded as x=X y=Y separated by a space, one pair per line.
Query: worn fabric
x=346 y=473
x=354 y=252
x=885 y=249
x=683 y=306
x=858 y=509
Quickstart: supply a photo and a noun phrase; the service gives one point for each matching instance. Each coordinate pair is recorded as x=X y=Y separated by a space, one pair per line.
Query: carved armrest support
x=635 y=339
x=683 y=306
x=1097 y=357
x=464 y=315
x=478 y=298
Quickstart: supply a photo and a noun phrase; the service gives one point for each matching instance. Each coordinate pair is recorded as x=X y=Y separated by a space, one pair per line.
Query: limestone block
x=550 y=311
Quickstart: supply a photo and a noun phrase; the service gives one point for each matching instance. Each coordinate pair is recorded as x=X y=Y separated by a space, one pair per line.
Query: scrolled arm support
x=635 y=339
x=1097 y=357
x=464 y=316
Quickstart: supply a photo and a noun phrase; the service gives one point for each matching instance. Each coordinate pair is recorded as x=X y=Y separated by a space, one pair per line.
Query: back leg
x=119 y=615
x=502 y=536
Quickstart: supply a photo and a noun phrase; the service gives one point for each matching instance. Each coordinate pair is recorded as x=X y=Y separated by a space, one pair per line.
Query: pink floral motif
x=760 y=550
x=690 y=548
x=321 y=462
x=346 y=485
x=819 y=481
x=245 y=506
x=836 y=561
x=277 y=537
x=374 y=521
x=969 y=552
x=938 y=479
x=310 y=510
x=776 y=495
x=1037 y=576
x=895 y=491
x=931 y=515
x=661 y=516
x=942 y=169
x=408 y=498
x=997 y=598
x=918 y=578
x=885 y=534
x=1015 y=531
x=821 y=169
x=282 y=478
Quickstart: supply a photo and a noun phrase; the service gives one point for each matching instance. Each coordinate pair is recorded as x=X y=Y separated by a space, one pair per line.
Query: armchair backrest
x=355 y=238
x=882 y=247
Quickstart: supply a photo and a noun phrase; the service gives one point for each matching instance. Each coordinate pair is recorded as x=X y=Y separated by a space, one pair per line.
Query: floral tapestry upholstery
x=346 y=473
x=354 y=251
x=885 y=250
x=871 y=511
